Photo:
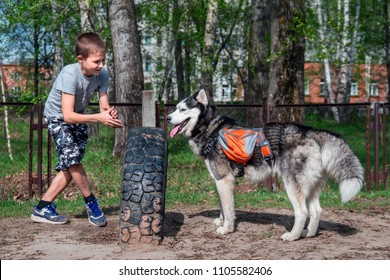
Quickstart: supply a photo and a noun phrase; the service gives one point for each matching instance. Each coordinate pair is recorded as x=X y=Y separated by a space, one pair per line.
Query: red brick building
x=20 y=78
x=369 y=83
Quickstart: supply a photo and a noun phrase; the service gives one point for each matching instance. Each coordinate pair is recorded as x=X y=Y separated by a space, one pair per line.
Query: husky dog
x=303 y=157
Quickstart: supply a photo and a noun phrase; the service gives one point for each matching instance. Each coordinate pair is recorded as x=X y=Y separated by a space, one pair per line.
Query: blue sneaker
x=95 y=214
x=48 y=214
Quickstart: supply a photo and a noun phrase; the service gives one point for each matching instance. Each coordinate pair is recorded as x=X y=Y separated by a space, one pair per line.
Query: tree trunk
x=58 y=54
x=7 y=134
x=328 y=91
x=129 y=78
x=85 y=19
x=165 y=88
x=36 y=59
x=348 y=58
x=258 y=67
x=176 y=13
x=287 y=60
x=345 y=55
x=208 y=51
x=187 y=54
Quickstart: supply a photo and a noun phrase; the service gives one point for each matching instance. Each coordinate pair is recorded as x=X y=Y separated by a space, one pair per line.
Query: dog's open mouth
x=178 y=128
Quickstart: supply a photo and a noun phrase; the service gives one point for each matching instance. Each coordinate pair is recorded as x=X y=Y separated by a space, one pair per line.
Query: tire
x=144 y=173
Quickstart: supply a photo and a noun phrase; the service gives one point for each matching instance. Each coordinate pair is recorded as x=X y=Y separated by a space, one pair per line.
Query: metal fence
x=374 y=115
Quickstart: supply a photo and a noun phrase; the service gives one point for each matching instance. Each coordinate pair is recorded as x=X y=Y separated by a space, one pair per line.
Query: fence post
x=384 y=172
x=38 y=180
x=376 y=145
x=368 y=147
x=30 y=152
x=148 y=109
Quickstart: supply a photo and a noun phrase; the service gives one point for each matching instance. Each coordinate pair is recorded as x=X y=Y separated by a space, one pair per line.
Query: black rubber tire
x=144 y=176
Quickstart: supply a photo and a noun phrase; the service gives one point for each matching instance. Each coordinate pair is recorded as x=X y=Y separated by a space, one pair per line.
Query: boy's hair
x=89 y=43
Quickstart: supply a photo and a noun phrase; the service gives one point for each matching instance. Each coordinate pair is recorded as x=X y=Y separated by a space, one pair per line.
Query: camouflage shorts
x=70 y=141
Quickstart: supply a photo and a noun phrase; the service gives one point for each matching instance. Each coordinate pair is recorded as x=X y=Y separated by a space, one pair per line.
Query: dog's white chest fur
x=195 y=148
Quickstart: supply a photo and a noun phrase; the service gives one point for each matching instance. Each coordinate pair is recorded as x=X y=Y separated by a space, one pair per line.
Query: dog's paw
x=224 y=230
x=289 y=237
x=218 y=222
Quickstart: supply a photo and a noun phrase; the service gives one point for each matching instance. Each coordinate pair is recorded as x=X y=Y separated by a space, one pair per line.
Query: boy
x=67 y=123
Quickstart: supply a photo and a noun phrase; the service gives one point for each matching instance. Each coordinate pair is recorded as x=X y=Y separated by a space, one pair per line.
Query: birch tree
x=208 y=49
x=58 y=61
x=322 y=30
x=348 y=55
x=7 y=133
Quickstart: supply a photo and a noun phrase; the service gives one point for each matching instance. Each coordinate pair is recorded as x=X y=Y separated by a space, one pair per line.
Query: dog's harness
x=238 y=144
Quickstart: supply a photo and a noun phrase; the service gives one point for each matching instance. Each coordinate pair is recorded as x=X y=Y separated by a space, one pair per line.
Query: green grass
x=189 y=183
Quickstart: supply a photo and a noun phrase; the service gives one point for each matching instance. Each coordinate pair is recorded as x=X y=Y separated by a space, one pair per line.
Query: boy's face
x=92 y=64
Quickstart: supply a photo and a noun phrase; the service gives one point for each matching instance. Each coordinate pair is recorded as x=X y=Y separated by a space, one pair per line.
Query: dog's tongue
x=174 y=130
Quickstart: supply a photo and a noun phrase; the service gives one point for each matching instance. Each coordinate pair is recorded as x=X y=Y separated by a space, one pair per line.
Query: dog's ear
x=201 y=97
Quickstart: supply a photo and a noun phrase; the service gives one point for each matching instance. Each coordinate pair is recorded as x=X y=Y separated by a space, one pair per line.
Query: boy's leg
x=95 y=214
x=45 y=211
x=59 y=183
x=79 y=176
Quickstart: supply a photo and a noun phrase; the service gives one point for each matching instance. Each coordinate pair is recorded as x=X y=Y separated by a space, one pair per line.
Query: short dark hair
x=89 y=43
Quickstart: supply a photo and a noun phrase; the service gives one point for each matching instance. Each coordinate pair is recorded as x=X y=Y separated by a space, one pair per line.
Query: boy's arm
x=104 y=105
x=71 y=117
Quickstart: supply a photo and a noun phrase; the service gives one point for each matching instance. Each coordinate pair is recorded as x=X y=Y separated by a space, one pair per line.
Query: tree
x=7 y=133
x=25 y=25
x=348 y=56
x=129 y=78
x=287 y=59
x=258 y=67
x=176 y=18
x=208 y=49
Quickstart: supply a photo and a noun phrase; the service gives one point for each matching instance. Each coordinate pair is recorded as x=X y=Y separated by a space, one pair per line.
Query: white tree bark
x=58 y=53
x=8 y=136
x=328 y=91
x=354 y=39
x=345 y=55
x=208 y=52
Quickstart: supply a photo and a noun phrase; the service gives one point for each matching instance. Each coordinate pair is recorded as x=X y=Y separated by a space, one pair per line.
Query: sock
x=90 y=198
x=42 y=203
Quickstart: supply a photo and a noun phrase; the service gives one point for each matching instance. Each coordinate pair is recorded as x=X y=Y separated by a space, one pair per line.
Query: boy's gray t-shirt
x=71 y=80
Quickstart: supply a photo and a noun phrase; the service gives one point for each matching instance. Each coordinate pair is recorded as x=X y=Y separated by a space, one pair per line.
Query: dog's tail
x=342 y=164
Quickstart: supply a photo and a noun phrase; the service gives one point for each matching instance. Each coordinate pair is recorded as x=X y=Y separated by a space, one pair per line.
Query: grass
x=188 y=183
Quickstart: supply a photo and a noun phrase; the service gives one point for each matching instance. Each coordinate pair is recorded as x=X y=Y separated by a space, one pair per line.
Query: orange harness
x=239 y=143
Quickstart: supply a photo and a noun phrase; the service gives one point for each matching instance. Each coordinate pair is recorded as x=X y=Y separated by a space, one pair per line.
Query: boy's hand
x=109 y=117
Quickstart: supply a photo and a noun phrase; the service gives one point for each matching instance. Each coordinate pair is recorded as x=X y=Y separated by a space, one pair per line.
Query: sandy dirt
x=190 y=234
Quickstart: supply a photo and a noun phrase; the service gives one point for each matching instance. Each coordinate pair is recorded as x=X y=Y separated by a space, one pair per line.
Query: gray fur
x=303 y=158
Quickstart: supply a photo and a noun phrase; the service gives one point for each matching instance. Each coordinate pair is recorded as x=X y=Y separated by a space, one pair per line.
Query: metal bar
x=376 y=145
x=384 y=158
x=368 y=147
x=166 y=111
x=157 y=114
x=48 y=159
x=30 y=152
x=40 y=128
